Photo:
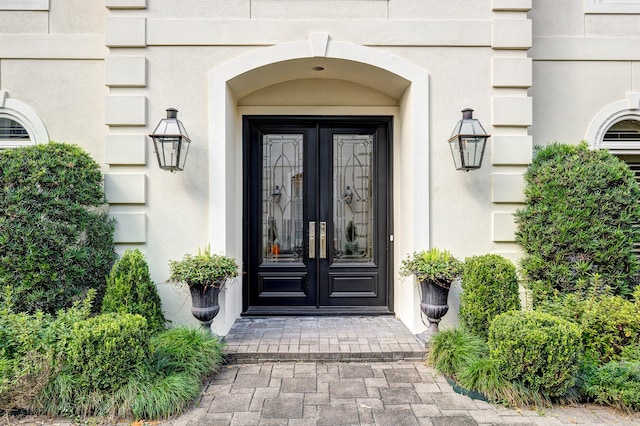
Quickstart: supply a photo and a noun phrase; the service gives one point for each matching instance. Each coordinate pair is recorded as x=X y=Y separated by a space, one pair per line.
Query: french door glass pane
x=352 y=199
x=282 y=190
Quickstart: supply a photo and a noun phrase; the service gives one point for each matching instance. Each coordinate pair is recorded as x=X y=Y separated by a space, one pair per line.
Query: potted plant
x=435 y=270
x=205 y=274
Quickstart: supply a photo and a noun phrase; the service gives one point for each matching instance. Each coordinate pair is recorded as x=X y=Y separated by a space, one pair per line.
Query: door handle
x=323 y=240
x=312 y=240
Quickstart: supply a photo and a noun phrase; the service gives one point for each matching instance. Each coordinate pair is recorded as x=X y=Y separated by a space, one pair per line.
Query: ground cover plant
x=56 y=239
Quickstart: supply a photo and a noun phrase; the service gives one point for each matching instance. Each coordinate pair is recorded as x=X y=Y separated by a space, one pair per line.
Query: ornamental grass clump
x=581 y=207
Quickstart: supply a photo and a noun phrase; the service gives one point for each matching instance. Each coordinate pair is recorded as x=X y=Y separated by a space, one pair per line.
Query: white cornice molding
x=210 y=32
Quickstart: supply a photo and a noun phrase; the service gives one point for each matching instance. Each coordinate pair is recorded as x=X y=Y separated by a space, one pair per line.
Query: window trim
x=611 y=6
x=627 y=109
x=26 y=117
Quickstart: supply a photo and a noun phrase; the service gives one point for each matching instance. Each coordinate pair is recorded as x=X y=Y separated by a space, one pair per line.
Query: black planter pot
x=433 y=303
x=204 y=303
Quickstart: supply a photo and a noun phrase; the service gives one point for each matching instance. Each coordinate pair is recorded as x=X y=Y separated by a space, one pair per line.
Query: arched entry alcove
x=264 y=82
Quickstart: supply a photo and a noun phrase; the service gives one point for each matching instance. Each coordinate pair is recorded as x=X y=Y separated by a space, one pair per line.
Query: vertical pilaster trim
x=126 y=145
x=511 y=77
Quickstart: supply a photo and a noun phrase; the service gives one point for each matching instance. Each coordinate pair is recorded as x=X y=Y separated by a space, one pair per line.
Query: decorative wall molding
x=24 y=4
x=207 y=32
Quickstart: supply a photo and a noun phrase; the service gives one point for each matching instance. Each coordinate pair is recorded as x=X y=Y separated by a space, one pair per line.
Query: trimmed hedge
x=536 y=349
x=578 y=221
x=103 y=351
x=131 y=290
x=55 y=237
x=609 y=324
x=490 y=287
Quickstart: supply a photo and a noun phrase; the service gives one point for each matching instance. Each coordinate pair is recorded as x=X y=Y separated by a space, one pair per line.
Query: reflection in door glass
x=352 y=198
x=282 y=210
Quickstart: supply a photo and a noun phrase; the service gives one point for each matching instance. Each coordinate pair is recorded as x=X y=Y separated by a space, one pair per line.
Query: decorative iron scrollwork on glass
x=352 y=208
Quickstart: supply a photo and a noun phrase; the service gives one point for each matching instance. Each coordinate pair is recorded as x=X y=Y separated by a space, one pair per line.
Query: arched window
x=623 y=140
x=19 y=124
x=12 y=134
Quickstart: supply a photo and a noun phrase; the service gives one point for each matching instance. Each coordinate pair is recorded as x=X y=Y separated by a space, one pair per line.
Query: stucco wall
x=107 y=93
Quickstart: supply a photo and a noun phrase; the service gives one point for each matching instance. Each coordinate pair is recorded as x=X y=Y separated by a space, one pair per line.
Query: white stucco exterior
x=101 y=74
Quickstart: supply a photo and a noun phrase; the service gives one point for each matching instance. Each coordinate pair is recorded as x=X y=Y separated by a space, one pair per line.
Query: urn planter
x=433 y=303
x=204 y=302
x=435 y=270
x=205 y=274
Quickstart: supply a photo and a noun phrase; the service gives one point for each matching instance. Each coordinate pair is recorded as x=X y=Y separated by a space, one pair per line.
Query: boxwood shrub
x=536 y=349
x=490 y=287
x=581 y=205
x=103 y=351
x=609 y=324
x=55 y=237
x=131 y=290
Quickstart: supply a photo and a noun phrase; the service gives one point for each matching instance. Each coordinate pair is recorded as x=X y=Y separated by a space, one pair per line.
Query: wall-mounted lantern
x=171 y=142
x=467 y=142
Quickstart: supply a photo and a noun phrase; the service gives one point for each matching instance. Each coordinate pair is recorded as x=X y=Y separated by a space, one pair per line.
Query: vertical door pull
x=323 y=240
x=312 y=240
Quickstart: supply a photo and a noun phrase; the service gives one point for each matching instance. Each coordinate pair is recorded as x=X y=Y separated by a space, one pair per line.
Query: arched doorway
x=260 y=82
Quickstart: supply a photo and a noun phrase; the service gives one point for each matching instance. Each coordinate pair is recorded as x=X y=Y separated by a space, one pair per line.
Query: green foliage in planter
x=536 y=349
x=104 y=351
x=490 y=287
x=204 y=269
x=439 y=266
x=608 y=323
x=55 y=237
x=131 y=290
x=578 y=221
x=452 y=350
x=616 y=383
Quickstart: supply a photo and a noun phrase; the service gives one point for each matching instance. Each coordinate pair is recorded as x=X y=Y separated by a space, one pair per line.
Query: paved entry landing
x=344 y=338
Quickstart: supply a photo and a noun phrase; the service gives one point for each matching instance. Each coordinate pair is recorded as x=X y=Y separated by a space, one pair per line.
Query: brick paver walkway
x=378 y=393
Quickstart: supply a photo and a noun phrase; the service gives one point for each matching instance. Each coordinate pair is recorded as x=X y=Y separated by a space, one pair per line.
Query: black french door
x=317 y=215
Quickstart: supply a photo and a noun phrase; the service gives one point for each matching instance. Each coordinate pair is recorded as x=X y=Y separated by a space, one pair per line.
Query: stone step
x=319 y=339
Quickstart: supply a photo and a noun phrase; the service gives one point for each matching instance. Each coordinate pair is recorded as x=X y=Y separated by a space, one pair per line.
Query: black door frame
x=249 y=222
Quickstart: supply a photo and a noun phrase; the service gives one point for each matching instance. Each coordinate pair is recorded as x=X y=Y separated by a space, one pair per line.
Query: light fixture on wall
x=171 y=142
x=467 y=142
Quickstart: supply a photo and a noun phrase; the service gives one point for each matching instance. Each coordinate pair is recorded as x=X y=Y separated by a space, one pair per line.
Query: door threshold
x=316 y=311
